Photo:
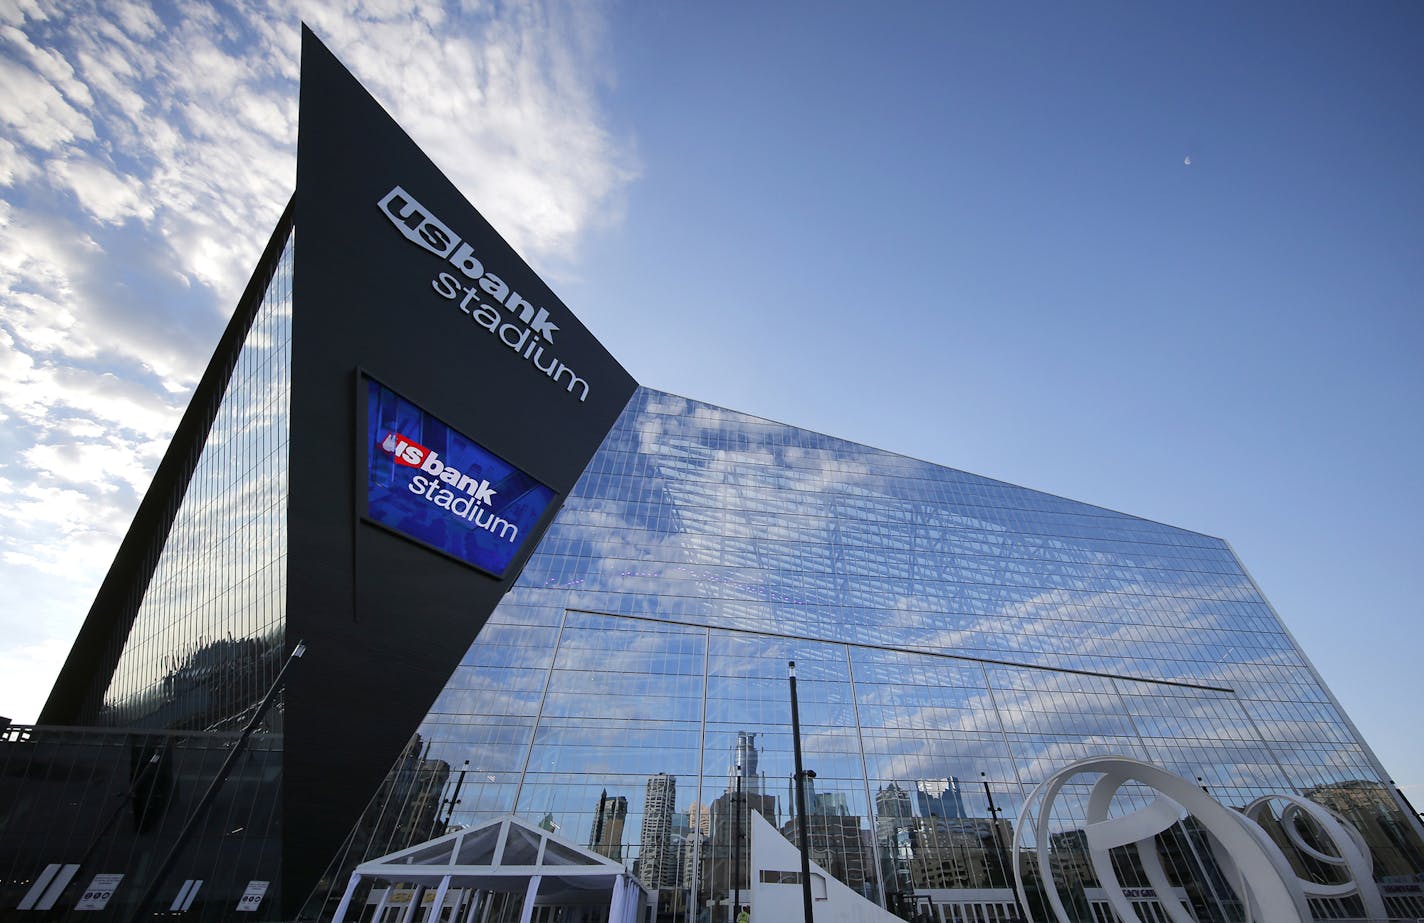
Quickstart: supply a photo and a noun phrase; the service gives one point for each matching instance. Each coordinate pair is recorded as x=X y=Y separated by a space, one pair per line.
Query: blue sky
x=968 y=233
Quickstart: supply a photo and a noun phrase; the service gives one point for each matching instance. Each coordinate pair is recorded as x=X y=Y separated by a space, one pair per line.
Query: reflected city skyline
x=957 y=640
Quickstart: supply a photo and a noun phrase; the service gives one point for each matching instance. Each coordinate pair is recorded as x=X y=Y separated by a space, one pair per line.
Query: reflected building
x=418 y=783
x=939 y=798
x=658 y=851
x=940 y=846
x=958 y=853
x=699 y=819
x=634 y=628
x=830 y=803
x=894 y=820
x=837 y=840
x=608 y=820
x=892 y=808
x=693 y=846
x=1398 y=854
x=698 y=823
x=744 y=762
x=724 y=861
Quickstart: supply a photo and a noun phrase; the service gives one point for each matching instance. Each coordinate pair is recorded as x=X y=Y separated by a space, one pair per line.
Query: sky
x=1163 y=258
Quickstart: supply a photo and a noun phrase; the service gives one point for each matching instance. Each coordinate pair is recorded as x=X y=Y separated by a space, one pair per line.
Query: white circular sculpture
x=1265 y=882
x=1352 y=854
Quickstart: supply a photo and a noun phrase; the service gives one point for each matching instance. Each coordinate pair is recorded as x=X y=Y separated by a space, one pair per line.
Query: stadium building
x=526 y=585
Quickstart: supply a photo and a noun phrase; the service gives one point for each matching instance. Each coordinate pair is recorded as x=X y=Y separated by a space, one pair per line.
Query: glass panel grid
x=206 y=642
x=957 y=641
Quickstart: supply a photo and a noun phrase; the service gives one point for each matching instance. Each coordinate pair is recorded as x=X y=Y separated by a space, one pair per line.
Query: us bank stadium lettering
x=534 y=330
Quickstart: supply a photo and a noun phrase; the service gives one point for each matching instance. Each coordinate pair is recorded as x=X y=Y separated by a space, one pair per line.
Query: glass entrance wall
x=958 y=640
x=652 y=742
x=207 y=640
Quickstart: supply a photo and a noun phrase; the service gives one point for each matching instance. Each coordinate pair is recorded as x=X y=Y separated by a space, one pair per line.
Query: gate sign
x=96 y=896
x=252 y=898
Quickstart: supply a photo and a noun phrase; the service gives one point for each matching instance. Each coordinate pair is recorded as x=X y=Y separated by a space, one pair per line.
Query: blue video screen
x=427 y=481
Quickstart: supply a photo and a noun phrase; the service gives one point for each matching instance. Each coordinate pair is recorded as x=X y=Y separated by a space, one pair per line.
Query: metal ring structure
x=1352 y=852
x=1266 y=884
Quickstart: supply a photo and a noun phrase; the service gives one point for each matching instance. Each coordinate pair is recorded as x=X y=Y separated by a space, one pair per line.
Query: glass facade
x=958 y=640
x=207 y=640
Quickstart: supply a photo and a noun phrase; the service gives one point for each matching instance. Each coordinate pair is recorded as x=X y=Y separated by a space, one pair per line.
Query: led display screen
x=433 y=484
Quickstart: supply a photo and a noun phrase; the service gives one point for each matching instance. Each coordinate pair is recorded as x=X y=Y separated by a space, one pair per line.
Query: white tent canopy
x=505 y=855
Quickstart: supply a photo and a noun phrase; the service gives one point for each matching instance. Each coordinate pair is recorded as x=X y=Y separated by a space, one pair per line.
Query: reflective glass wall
x=207 y=640
x=958 y=640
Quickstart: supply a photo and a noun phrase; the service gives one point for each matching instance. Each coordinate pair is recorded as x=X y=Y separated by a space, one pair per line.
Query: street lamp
x=736 y=847
x=453 y=800
x=801 y=776
x=993 y=811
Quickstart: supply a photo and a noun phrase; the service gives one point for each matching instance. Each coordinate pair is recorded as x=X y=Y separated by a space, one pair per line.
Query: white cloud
x=77 y=462
x=510 y=115
x=51 y=66
x=105 y=195
x=14 y=167
x=36 y=111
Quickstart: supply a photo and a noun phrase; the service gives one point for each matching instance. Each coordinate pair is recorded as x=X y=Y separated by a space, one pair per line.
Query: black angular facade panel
x=527 y=585
x=378 y=237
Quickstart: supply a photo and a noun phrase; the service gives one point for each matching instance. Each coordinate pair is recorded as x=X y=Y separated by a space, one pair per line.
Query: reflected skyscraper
x=939 y=798
x=744 y=759
x=608 y=821
x=658 y=853
x=694 y=846
x=892 y=805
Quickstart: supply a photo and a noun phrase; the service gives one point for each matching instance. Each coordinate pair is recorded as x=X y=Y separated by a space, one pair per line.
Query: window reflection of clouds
x=741 y=527
x=206 y=639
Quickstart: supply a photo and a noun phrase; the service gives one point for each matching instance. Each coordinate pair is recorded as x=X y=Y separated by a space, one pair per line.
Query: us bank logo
x=527 y=329
x=445 y=485
x=437 y=486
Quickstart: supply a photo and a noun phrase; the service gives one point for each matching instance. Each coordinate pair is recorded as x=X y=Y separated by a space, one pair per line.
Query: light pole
x=1002 y=855
x=993 y=811
x=450 y=803
x=801 y=775
x=736 y=847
